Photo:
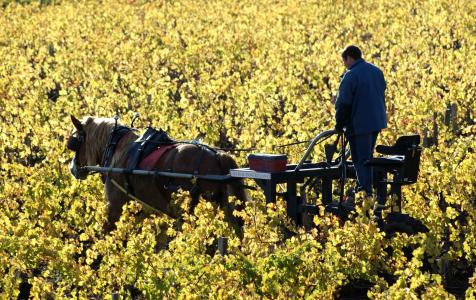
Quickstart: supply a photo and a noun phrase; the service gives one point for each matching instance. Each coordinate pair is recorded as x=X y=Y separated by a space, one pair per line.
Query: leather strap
x=116 y=135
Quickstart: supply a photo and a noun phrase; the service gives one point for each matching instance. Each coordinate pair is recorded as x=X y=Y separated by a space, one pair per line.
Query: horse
x=91 y=140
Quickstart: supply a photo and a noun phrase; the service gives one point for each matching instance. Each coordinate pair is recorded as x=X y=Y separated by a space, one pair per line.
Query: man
x=360 y=108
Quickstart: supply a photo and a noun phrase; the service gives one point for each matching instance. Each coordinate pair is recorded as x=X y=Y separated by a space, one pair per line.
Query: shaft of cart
x=210 y=177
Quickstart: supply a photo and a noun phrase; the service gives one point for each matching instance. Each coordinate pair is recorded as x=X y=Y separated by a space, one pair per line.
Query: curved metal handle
x=314 y=141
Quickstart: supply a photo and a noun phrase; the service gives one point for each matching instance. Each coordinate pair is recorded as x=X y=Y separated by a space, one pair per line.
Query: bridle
x=75 y=143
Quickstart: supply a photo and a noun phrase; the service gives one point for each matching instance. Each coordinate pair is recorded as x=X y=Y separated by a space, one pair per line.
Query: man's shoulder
x=348 y=76
x=372 y=66
x=365 y=67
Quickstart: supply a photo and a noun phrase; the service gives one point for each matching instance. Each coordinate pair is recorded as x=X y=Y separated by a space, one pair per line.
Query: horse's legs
x=221 y=197
x=236 y=189
x=193 y=159
x=116 y=199
x=195 y=195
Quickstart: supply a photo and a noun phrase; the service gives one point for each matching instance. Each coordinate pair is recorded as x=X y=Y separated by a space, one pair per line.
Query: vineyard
x=237 y=74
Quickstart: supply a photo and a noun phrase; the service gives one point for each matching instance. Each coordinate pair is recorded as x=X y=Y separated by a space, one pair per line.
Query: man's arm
x=343 y=105
x=384 y=83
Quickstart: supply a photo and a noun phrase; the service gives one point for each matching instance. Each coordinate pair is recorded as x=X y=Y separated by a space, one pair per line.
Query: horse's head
x=89 y=143
x=77 y=143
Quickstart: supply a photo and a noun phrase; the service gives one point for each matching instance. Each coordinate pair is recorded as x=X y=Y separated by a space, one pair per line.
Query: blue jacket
x=360 y=104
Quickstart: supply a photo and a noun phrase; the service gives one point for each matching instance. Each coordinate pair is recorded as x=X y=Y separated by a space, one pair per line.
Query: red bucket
x=271 y=163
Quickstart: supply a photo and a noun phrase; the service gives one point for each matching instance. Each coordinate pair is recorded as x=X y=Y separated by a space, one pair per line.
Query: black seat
x=403 y=162
x=390 y=162
x=401 y=145
x=398 y=153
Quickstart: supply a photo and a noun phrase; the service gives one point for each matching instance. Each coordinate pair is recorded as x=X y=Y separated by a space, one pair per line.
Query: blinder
x=74 y=142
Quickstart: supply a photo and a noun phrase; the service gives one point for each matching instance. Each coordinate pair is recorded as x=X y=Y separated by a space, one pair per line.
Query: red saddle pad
x=151 y=160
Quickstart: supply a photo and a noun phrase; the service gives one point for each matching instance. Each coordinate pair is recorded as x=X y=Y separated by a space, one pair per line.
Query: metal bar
x=210 y=177
x=343 y=168
x=291 y=199
x=247 y=173
x=321 y=135
x=326 y=190
x=332 y=172
x=270 y=191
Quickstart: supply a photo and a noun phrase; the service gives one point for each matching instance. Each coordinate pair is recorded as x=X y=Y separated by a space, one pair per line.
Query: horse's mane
x=97 y=136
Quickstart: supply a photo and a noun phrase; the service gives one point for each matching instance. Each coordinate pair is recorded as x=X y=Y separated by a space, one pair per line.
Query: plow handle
x=314 y=141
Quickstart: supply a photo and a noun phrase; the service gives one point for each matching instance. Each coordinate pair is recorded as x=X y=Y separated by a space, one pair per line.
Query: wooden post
x=447 y=116
x=468 y=118
x=450 y=116
x=425 y=137
x=223 y=245
x=454 y=112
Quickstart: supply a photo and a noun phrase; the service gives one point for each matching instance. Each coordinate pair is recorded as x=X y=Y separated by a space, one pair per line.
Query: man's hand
x=339 y=128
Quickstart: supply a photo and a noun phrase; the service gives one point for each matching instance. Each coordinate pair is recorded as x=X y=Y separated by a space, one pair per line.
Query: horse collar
x=116 y=135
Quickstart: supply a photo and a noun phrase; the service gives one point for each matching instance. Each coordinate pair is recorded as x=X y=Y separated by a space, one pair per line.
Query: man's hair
x=352 y=51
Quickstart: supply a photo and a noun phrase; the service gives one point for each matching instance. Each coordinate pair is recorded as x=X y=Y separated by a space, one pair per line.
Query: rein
x=254 y=148
x=194 y=142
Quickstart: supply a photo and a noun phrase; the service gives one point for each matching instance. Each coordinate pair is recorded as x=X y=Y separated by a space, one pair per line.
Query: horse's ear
x=76 y=123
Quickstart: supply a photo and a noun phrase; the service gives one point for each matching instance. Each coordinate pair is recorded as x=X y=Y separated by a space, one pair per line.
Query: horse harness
x=145 y=145
x=118 y=132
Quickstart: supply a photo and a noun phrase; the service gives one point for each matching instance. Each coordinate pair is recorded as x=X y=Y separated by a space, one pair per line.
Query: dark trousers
x=361 y=149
